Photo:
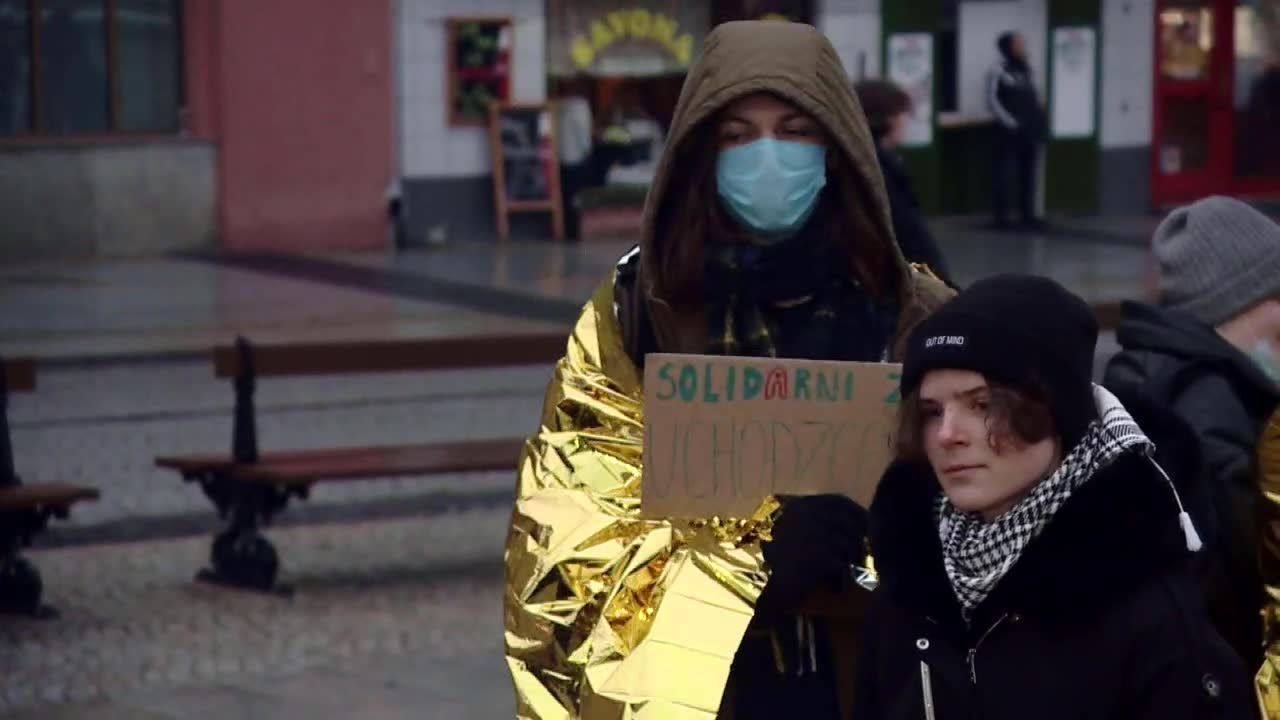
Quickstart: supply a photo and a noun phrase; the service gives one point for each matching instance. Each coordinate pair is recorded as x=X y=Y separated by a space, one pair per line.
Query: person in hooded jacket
x=1021 y=129
x=767 y=233
x=1210 y=351
x=1032 y=551
x=888 y=109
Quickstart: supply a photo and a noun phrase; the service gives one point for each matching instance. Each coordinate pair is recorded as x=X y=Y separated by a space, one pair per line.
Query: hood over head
x=796 y=63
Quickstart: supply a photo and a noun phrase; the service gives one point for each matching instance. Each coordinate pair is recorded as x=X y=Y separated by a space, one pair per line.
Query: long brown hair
x=1015 y=418
x=690 y=215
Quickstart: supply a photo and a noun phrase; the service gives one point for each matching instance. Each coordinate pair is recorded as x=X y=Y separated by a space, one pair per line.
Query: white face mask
x=1264 y=354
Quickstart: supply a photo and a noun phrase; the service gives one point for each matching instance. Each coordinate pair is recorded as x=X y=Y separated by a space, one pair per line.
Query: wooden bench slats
x=43 y=495
x=338 y=358
x=307 y=466
x=194 y=463
x=208 y=462
x=364 y=463
x=19 y=374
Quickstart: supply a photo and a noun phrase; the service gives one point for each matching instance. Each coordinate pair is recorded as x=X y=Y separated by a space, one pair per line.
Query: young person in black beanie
x=1033 y=554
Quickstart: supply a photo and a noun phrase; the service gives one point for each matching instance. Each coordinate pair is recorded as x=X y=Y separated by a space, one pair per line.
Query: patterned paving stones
x=394 y=616
x=133 y=623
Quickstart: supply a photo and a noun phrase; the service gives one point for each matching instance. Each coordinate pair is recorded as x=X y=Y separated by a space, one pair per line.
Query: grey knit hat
x=1218 y=257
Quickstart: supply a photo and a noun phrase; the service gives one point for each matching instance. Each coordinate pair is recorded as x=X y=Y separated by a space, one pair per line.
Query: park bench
x=25 y=508
x=249 y=487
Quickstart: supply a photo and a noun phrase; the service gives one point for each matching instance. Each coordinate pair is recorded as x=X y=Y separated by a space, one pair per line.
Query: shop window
x=1257 y=91
x=479 y=72
x=15 y=67
x=89 y=67
x=150 y=78
x=1186 y=136
x=1186 y=39
x=792 y=10
x=72 y=67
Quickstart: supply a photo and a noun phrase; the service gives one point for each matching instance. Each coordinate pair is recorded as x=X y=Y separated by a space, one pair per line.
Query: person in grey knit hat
x=1208 y=351
x=1219 y=258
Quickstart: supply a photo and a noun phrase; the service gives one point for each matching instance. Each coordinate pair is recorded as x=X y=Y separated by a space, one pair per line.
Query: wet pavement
x=113 y=309
x=397 y=609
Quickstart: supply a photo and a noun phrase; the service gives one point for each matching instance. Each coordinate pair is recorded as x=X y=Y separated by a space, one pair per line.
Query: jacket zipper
x=973 y=651
x=926 y=686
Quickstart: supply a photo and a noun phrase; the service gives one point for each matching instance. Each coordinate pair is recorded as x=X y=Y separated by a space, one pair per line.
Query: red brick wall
x=300 y=100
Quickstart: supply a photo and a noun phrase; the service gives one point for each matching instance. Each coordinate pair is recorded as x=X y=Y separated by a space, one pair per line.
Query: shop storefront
x=1217 y=99
x=643 y=44
x=616 y=69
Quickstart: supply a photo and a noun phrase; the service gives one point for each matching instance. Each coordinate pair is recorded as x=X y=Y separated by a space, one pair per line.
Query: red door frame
x=1218 y=175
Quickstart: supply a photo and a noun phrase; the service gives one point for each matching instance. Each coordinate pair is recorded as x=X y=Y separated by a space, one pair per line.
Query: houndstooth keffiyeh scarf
x=977 y=554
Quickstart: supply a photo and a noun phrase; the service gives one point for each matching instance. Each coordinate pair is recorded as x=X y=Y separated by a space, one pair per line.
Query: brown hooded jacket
x=798 y=64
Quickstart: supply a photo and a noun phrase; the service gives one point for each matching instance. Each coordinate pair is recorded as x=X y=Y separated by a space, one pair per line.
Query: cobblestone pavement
x=389 y=619
x=104 y=425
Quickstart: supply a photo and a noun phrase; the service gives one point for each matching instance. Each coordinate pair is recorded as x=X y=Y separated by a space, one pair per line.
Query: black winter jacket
x=1012 y=98
x=1097 y=619
x=909 y=227
x=1172 y=358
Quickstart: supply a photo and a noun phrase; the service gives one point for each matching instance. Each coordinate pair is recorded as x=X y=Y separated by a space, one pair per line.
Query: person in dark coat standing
x=1032 y=552
x=888 y=108
x=1210 y=351
x=1021 y=129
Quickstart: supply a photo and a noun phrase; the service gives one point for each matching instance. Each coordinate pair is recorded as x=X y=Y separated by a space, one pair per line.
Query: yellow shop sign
x=636 y=24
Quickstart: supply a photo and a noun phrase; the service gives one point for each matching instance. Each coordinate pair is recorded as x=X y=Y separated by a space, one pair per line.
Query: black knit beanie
x=1024 y=331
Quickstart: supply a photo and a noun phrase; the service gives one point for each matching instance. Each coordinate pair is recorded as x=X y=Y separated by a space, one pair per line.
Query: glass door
x=1255 y=86
x=1191 y=142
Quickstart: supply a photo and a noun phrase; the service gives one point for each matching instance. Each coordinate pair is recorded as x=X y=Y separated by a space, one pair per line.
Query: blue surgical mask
x=771 y=186
x=1268 y=360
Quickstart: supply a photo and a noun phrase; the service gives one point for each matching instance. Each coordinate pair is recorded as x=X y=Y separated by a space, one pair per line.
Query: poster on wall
x=910 y=59
x=1072 y=95
x=629 y=38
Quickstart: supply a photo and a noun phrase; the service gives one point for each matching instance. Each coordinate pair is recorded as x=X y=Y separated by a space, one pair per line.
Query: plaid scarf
x=791 y=298
x=978 y=554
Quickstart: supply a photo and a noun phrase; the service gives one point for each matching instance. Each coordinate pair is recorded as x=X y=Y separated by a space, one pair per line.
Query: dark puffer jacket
x=914 y=237
x=1098 y=618
x=1012 y=96
x=1173 y=359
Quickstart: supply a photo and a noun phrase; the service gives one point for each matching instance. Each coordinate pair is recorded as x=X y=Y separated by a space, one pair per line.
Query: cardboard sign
x=723 y=433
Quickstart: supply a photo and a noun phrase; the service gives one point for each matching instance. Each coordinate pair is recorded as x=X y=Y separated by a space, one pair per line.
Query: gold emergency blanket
x=609 y=615
x=1267 y=682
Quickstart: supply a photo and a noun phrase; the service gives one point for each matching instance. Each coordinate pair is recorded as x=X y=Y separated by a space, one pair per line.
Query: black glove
x=815 y=541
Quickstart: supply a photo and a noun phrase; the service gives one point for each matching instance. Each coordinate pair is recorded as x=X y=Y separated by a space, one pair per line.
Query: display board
x=526 y=172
